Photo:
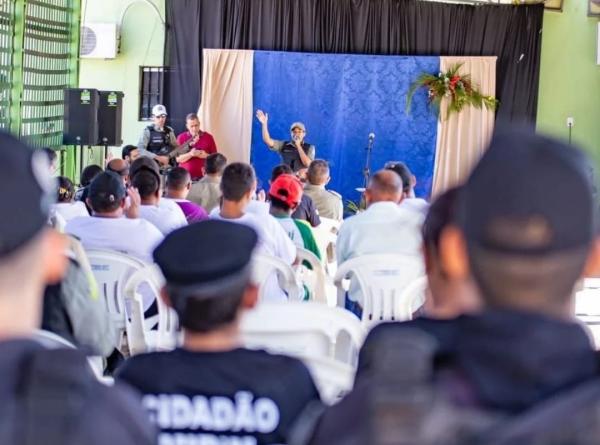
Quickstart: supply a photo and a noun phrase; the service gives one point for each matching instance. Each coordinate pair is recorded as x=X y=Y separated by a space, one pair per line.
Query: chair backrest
x=333 y=379
x=326 y=237
x=304 y=329
x=265 y=265
x=112 y=270
x=144 y=337
x=313 y=278
x=57 y=221
x=381 y=280
x=415 y=293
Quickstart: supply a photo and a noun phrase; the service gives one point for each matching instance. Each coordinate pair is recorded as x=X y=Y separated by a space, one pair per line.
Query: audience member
x=147 y=183
x=130 y=153
x=222 y=392
x=201 y=144
x=385 y=227
x=306 y=210
x=107 y=228
x=408 y=187
x=285 y=194
x=207 y=191
x=178 y=188
x=144 y=163
x=525 y=242
x=45 y=392
x=329 y=203
x=65 y=206
x=120 y=167
x=52 y=159
x=74 y=310
x=448 y=297
x=85 y=179
x=238 y=186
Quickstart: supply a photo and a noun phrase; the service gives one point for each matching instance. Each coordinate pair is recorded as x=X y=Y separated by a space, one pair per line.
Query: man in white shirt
x=147 y=180
x=239 y=186
x=108 y=228
x=385 y=227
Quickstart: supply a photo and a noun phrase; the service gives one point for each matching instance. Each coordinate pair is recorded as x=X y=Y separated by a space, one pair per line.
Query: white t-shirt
x=272 y=240
x=165 y=219
x=135 y=237
x=70 y=210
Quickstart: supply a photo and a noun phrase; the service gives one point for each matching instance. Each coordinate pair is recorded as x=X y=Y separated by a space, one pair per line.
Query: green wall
x=569 y=76
x=142 y=43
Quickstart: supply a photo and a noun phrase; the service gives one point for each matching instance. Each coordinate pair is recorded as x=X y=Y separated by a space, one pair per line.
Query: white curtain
x=226 y=110
x=463 y=137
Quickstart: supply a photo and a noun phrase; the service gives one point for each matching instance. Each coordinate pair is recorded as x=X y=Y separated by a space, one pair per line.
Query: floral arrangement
x=458 y=88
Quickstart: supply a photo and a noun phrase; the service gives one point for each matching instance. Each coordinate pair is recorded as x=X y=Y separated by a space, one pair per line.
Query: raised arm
x=263 y=118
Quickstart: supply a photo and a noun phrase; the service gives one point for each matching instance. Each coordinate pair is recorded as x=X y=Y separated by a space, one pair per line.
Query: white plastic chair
x=112 y=270
x=144 y=338
x=314 y=279
x=304 y=329
x=264 y=265
x=333 y=379
x=415 y=293
x=381 y=280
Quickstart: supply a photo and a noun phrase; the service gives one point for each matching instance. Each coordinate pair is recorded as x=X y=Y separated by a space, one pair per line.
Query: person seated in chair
x=329 y=203
x=108 y=228
x=384 y=228
x=306 y=210
x=522 y=364
x=207 y=191
x=179 y=183
x=221 y=391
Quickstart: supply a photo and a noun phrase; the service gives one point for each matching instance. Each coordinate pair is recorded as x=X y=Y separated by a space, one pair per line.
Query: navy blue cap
x=27 y=187
x=106 y=188
x=529 y=194
x=144 y=163
x=204 y=253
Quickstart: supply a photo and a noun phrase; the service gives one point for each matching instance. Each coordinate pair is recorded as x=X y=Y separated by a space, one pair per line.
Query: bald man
x=385 y=227
x=120 y=167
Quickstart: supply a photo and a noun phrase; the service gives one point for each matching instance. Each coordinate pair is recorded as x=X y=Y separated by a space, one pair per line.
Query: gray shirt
x=328 y=203
x=206 y=192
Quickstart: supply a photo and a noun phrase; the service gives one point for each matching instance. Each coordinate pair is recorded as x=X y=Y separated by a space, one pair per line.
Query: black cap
x=144 y=163
x=204 y=254
x=529 y=195
x=106 y=188
x=27 y=189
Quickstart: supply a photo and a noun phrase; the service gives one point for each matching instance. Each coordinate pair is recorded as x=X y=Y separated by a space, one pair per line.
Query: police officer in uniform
x=296 y=153
x=158 y=139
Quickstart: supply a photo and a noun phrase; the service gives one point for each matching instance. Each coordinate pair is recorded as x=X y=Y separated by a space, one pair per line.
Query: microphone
x=371 y=137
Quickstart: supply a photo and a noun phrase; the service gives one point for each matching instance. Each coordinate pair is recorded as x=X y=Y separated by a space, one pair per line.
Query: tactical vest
x=159 y=142
x=289 y=155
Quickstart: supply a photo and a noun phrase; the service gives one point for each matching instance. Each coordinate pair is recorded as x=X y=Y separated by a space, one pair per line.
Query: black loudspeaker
x=110 y=115
x=80 y=126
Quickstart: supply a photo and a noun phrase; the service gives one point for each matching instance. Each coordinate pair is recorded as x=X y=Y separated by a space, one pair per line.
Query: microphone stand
x=367 y=169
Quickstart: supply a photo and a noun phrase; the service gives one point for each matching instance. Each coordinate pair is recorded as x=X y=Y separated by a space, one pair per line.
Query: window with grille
x=7 y=24
x=152 y=80
x=47 y=69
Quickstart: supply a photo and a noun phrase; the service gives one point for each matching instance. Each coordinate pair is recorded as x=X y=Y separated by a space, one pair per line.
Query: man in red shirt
x=202 y=145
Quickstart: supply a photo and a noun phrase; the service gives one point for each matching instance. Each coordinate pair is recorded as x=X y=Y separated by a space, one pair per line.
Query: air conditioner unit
x=99 y=41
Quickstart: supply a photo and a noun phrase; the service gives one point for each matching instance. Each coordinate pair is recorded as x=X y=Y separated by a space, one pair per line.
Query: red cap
x=287 y=188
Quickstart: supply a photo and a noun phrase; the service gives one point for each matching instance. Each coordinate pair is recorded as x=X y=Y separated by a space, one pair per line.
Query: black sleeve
x=312 y=214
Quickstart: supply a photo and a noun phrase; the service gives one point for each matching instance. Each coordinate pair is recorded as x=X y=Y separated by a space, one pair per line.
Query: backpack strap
x=51 y=394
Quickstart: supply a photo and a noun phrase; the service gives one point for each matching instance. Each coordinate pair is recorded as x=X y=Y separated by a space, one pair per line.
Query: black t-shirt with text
x=237 y=397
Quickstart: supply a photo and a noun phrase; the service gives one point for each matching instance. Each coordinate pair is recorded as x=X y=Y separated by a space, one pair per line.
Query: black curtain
x=412 y=27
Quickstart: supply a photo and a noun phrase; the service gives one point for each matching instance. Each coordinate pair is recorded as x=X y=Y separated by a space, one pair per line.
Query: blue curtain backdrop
x=342 y=98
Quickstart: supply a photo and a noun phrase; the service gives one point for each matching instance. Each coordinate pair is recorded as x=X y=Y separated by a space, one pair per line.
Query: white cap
x=158 y=110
